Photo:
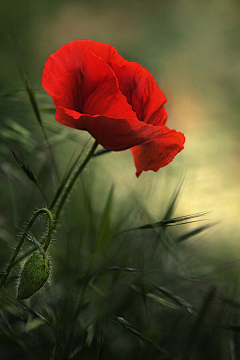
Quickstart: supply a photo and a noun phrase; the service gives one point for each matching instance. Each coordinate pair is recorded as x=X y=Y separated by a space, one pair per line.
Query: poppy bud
x=34 y=275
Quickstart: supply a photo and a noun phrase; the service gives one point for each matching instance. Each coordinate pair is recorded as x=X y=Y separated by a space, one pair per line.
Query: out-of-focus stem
x=71 y=182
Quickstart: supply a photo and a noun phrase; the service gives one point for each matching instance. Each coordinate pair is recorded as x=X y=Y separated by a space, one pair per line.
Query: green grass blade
x=173 y=202
x=32 y=97
x=139 y=335
x=23 y=164
x=161 y=301
x=27 y=83
x=104 y=229
x=194 y=232
x=176 y=299
x=181 y=220
x=198 y=324
x=37 y=315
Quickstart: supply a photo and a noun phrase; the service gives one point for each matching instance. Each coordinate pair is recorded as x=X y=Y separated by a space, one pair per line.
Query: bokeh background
x=192 y=49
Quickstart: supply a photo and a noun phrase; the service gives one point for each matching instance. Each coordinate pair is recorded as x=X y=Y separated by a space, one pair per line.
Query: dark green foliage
x=118 y=294
x=114 y=293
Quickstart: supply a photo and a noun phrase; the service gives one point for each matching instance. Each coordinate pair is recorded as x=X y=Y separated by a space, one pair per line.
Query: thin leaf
x=179 y=301
x=26 y=168
x=33 y=324
x=15 y=132
x=90 y=334
x=172 y=204
x=194 y=232
x=118 y=268
x=161 y=301
x=181 y=220
x=26 y=82
x=37 y=315
x=32 y=97
x=103 y=234
x=23 y=164
x=198 y=324
x=142 y=337
x=156 y=298
x=9 y=299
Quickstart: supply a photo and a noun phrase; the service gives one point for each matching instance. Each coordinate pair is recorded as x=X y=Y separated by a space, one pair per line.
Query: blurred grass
x=150 y=279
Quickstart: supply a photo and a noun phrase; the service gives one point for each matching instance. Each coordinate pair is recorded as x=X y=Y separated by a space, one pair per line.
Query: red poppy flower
x=118 y=102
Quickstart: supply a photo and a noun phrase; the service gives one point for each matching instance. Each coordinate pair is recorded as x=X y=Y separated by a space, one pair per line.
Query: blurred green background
x=191 y=48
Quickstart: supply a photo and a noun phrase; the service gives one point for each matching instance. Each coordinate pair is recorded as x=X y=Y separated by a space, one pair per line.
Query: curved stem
x=20 y=243
x=52 y=222
x=71 y=182
x=50 y=230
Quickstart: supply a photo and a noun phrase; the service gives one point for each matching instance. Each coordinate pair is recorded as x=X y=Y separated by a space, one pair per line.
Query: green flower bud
x=34 y=275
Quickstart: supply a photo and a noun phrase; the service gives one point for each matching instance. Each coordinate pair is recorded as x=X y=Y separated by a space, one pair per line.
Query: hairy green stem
x=20 y=243
x=52 y=222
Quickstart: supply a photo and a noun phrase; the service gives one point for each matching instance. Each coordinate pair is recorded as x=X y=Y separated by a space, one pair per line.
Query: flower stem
x=71 y=182
x=52 y=222
x=20 y=243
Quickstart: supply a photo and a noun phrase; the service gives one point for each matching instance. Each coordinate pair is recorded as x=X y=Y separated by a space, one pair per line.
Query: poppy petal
x=72 y=75
x=62 y=77
x=135 y=82
x=158 y=153
x=141 y=91
x=112 y=133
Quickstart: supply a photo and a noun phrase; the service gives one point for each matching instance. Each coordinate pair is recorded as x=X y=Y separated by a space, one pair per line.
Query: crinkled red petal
x=61 y=80
x=158 y=153
x=135 y=82
x=142 y=92
x=112 y=133
x=73 y=76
